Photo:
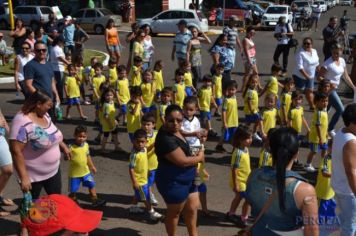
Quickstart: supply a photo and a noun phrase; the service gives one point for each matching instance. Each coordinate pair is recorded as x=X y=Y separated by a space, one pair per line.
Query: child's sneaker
x=153 y=199
x=136 y=209
x=220 y=148
x=99 y=202
x=212 y=133
x=154 y=215
x=217 y=114
x=257 y=137
x=309 y=168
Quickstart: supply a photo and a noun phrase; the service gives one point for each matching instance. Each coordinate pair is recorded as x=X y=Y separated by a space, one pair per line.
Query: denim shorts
x=114 y=48
x=302 y=84
x=5 y=155
x=347 y=214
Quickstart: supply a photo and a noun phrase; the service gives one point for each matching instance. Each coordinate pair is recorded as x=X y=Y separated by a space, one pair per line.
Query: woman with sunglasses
x=307 y=64
x=176 y=172
x=138 y=49
x=333 y=69
x=20 y=62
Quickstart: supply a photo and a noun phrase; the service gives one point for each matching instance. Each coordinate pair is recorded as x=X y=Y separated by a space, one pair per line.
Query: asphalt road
x=113 y=183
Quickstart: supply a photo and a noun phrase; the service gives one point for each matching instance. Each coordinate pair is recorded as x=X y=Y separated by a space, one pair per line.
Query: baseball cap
x=55 y=212
x=68 y=18
x=182 y=22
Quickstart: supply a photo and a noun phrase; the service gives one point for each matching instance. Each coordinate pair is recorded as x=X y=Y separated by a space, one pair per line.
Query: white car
x=322 y=4
x=166 y=21
x=345 y=2
x=272 y=14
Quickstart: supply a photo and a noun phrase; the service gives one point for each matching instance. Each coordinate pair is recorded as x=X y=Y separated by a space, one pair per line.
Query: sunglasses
x=25 y=48
x=41 y=50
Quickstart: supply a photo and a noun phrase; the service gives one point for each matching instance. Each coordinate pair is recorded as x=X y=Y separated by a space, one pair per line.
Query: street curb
x=11 y=79
x=210 y=32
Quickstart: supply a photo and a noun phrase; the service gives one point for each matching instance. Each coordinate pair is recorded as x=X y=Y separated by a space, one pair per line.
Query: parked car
x=263 y=4
x=272 y=14
x=257 y=12
x=4 y=16
x=166 y=21
x=322 y=4
x=303 y=6
x=329 y=4
x=33 y=16
x=95 y=20
x=345 y=2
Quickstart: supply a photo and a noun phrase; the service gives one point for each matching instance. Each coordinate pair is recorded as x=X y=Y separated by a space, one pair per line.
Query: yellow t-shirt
x=161 y=109
x=188 y=79
x=81 y=74
x=230 y=107
x=265 y=158
x=217 y=80
x=137 y=50
x=113 y=76
x=204 y=96
x=135 y=79
x=240 y=161
x=148 y=93
x=139 y=163
x=286 y=101
x=179 y=93
x=97 y=81
x=323 y=184
x=108 y=117
x=320 y=118
x=122 y=88
x=200 y=170
x=152 y=158
x=158 y=80
x=272 y=86
x=269 y=118
x=133 y=119
x=78 y=165
x=252 y=96
x=72 y=86
x=295 y=115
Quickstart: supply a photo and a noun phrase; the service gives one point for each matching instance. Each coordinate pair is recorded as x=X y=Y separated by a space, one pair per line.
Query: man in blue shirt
x=180 y=42
x=68 y=34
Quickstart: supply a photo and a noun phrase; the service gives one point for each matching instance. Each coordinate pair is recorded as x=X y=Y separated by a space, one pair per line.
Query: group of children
x=141 y=99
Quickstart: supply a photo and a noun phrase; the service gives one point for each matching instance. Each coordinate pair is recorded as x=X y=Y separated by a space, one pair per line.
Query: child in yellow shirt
x=135 y=72
x=265 y=155
x=72 y=91
x=158 y=78
x=97 y=80
x=188 y=78
x=286 y=100
x=166 y=99
x=138 y=168
x=89 y=70
x=179 y=88
x=122 y=92
x=296 y=117
x=81 y=75
x=318 y=135
x=80 y=166
x=112 y=76
x=148 y=89
x=134 y=111
x=269 y=115
x=272 y=84
x=240 y=170
x=217 y=88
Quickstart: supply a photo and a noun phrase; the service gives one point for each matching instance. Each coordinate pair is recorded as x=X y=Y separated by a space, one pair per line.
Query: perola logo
x=42 y=210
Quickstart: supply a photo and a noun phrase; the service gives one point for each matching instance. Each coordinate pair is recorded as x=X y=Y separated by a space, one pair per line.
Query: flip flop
x=6 y=202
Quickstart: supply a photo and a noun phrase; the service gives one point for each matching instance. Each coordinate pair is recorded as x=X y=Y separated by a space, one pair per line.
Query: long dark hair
x=172 y=108
x=32 y=101
x=284 y=146
x=109 y=22
x=218 y=39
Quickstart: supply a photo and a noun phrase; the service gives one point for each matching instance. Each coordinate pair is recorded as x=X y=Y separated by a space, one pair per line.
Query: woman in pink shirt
x=35 y=143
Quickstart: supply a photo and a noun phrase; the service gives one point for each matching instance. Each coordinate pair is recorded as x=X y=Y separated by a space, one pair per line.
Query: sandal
x=6 y=202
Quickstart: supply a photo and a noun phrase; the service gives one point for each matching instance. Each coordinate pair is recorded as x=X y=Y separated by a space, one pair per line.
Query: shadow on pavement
x=9 y=227
x=116 y=231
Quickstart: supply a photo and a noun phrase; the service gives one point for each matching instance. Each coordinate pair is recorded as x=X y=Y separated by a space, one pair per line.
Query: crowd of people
x=168 y=126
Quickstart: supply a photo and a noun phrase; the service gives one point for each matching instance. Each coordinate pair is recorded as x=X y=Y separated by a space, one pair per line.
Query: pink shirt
x=41 y=152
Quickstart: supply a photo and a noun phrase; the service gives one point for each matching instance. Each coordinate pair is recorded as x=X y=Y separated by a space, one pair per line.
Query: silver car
x=166 y=21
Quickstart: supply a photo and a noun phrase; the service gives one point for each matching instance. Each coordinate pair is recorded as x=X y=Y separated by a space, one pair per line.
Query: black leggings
x=52 y=185
x=282 y=48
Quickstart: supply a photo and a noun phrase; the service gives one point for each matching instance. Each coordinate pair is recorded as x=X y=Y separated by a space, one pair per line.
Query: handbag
x=247 y=231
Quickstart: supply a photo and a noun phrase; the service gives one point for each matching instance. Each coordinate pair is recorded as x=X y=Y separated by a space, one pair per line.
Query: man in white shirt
x=316 y=13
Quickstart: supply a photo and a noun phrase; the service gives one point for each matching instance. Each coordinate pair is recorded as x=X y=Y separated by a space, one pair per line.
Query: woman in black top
x=175 y=173
x=19 y=35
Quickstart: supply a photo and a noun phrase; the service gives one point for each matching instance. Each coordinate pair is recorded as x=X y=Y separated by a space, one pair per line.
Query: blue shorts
x=327 y=208
x=114 y=48
x=278 y=104
x=316 y=147
x=243 y=194
x=302 y=83
x=228 y=133
x=123 y=108
x=158 y=94
x=218 y=101
x=142 y=194
x=87 y=181
x=202 y=188
x=205 y=115
x=175 y=192
x=189 y=91
x=97 y=105
x=252 y=118
x=148 y=109
x=73 y=101
x=131 y=136
x=151 y=177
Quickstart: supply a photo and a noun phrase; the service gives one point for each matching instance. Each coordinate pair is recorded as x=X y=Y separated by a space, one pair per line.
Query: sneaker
x=257 y=137
x=153 y=200
x=99 y=202
x=309 y=168
x=220 y=148
x=332 y=133
x=86 y=103
x=154 y=215
x=212 y=133
x=217 y=114
x=136 y=209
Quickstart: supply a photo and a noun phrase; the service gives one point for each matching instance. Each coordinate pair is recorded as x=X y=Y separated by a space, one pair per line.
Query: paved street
x=113 y=182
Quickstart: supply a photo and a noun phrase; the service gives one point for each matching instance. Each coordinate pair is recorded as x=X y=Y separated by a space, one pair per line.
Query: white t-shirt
x=22 y=62
x=334 y=71
x=56 y=52
x=283 y=29
x=307 y=61
x=316 y=11
x=191 y=126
